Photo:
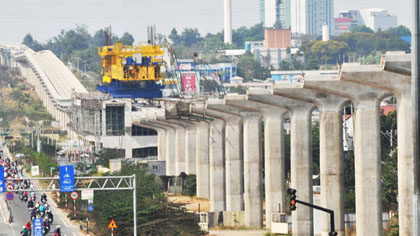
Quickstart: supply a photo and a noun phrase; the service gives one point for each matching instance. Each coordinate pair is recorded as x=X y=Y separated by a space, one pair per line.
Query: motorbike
x=46 y=229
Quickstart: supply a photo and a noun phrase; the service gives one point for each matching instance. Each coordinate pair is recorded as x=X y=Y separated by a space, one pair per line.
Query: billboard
x=189 y=82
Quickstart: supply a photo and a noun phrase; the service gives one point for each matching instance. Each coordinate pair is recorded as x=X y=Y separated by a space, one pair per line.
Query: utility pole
x=416 y=121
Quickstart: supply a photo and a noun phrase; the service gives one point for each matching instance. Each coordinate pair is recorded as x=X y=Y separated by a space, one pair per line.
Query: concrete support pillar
x=301 y=169
x=202 y=161
x=394 y=76
x=253 y=172
x=252 y=163
x=367 y=149
x=331 y=150
x=179 y=147
x=170 y=146
x=275 y=183
x=367 y=154
x=405 y=165
x=161 y=139
x=331 y=167
x=217 y=167
x=301 y=156
x=190 y=150
x=233 y=158
x=189 y=145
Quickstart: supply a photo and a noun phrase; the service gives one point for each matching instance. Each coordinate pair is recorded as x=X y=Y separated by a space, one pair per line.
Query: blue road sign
x=10 y=196
x=2 y=182
x=90 y=208
x=37 y=227
x=66 y=179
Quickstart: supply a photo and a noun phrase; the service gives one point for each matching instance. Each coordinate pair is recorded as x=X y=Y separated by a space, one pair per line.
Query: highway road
x=20 y=215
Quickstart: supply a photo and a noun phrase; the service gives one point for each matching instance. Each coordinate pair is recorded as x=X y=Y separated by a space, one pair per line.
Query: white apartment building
x=378 y=19
x=308 y=16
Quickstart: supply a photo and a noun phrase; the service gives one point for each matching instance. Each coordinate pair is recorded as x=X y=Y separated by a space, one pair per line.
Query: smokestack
x=325 y=33
x=228 y=21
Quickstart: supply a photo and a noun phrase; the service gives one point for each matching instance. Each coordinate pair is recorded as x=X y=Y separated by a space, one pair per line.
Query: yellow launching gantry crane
x=132 y=71
x=131 y=63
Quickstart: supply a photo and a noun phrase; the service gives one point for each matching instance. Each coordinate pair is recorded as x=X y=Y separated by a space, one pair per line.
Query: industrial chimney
x=228 y=21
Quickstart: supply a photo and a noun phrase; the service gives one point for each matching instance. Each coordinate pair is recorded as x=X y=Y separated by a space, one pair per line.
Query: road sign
x=10 y=187
x=2 y=182
x=112 y=225
x=35 y=170
x=10 y=196
x=66 y=178
x=74 y=195
x=90 y=208
x=87 y=194
x=37 y=227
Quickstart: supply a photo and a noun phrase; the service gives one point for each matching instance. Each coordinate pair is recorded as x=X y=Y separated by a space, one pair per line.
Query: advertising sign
x=66 y=178
x=188 y=82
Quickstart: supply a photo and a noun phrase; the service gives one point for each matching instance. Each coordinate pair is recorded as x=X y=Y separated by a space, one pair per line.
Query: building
x=346 y=20
x=308 y=16
x=273 y=11
x=378 y=19
x=114 y=124
x=277 y=38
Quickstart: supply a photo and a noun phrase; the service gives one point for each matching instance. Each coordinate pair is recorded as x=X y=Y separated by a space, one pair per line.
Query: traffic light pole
x=293 y=201
x=331 y=212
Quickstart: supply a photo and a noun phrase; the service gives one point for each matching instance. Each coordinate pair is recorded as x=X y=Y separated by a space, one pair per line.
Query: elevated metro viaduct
x=221 y=140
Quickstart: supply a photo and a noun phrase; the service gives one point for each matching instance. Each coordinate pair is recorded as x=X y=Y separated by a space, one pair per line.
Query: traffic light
x=292 y=193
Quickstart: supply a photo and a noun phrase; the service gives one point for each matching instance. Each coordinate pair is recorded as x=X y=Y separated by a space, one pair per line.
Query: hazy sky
x=45 y=18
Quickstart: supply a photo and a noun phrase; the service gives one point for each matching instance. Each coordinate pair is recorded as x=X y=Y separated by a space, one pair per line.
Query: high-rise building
x=308 y=16
x=273 y=11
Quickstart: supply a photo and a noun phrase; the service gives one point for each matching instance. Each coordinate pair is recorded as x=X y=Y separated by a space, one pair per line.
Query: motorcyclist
x=57 y=231
x=44 y=198
x=30 y=203
x=28 y=226
x=24 y=231
x=50 y=215
x=42 y=210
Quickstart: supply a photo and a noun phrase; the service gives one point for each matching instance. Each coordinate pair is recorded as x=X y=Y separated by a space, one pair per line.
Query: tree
x=329 y=51
x=190 y=37
x=174 y=37
x=127 y=39
x=400 y=31
x=31 y=43
x=250 y=69
x=361 y=29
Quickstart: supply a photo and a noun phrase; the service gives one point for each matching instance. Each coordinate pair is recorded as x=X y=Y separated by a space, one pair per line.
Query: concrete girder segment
x=252 y=163
x=274 y=164
x=331 y=149
x=301 y=154
x=395 y=77
x=367 y=146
